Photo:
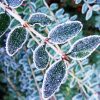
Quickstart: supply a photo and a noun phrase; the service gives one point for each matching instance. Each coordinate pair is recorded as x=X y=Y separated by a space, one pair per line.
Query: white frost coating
x=46 y=75
x=37 y=57
x=38 y=15
x=90 y=49
x=7 y=42
x=64 y=32
x=14 y=6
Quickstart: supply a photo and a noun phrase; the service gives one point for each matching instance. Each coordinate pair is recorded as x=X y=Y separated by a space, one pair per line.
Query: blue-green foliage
x=22 y=71
x=54 y=6
x=88 y=7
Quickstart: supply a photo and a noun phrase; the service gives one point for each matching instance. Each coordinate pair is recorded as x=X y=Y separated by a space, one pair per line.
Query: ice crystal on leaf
x=40 y=57
x=15 y=40
x=53 y=78
x=64 y=32
x=40 y=18
x=83 y=48
x=14 y=3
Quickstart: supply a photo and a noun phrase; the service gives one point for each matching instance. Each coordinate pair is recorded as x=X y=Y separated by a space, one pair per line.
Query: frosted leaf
x=84 y=8
x=78 y=97
x=4 y=23
x=89 y=14
x=15 y=40
x=14 y=3
x=53 y=78
x=40 y=57
x=83 y=48
x=64 y=32
x=40 y=18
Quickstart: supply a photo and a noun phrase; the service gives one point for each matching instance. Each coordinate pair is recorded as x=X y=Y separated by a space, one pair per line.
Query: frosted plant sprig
x=51 y=69
x=77 y=61
x=27 y=26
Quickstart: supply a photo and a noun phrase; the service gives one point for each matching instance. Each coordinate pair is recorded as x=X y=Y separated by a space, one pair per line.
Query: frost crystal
x=40 y=57
x=15 y=40
x=53 y=78
x=40 y=18
x=14 y=3
x=63 y=32
x=4 y=23
x=83 y=48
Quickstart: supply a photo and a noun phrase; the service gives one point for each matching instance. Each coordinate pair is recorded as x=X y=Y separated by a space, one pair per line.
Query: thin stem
x=80 y=64
x=28 y=27
x=55 y=49
x=38 y=88
x=13 y=87
x=52 y=57
x=51 y=13
x=80 y=82
x=33 y=37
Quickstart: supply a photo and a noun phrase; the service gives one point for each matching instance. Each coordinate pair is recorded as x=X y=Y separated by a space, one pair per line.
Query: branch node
x=65 y=57
x=25 y=25
x=46 y=40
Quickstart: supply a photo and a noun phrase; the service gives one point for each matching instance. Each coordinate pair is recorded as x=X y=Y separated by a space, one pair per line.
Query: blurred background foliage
x=16 y=69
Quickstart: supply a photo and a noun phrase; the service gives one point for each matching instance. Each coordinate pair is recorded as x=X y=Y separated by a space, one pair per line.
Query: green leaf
x=63 y=32
x=83 y=48
x=31 y=43
x=40 y=57
x=40 y=18
x=15 y=40
x=4 y=23
x=77 y=1
x=54 y=6
x=96 y=7
x=84 y=8
x=91 y=1
x=89 y=14
x=53 y=78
